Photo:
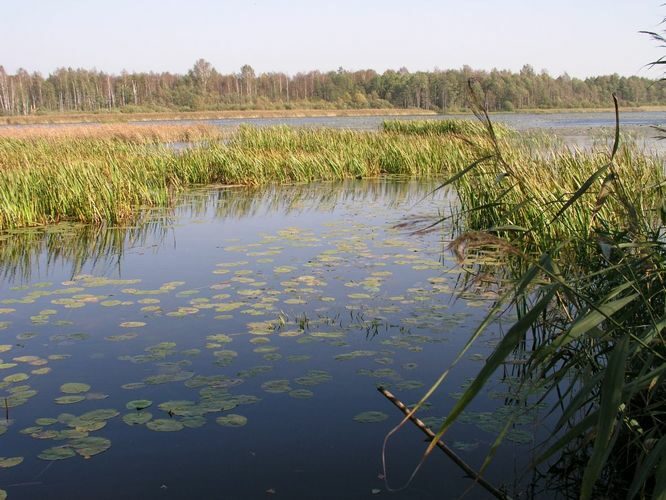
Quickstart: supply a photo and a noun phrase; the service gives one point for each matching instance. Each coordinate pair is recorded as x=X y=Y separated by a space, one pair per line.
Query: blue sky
x=583 y=37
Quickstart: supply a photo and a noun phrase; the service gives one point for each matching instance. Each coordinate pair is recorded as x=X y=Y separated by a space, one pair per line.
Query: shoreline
x=56 y=119
x=82 y=118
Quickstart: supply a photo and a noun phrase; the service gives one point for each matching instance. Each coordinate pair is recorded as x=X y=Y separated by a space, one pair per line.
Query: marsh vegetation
x=549 y=299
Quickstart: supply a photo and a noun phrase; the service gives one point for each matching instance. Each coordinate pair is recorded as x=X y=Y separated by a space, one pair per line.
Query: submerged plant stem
x=448 y=451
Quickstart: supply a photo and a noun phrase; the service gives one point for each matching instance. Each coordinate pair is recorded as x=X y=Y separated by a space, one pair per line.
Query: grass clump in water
x=105 y=179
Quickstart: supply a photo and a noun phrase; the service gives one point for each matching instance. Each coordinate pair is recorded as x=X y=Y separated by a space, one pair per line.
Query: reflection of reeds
x=92 y=248
x=23 y=251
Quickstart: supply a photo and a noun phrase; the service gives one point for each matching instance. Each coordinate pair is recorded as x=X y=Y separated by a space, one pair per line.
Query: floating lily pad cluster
x=73 y=432
x=278 y=317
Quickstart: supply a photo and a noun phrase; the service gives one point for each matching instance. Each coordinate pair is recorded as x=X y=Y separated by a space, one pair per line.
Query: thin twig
x=448 y=451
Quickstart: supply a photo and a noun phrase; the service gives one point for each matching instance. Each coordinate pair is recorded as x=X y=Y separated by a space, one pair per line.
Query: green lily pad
x=121 y=337
x=314 y=377
x=132 y=324
x=138 y=404
x=16 y=377
x=193 y=422
x=164 y=425
x=368 y=417
x=354 y=354
x=110 y=303
x=46 y=421
x=96 y=396
x=99 y=415
x=74 y=388
x=276 y=386
x=232 y=420
x=6 y=463
x=68 y=400
x=219 y=338
x=87 y=425
x=133 y=386
x=57 y=453
x=137 y=418
x=90 y=446
x=301 y=394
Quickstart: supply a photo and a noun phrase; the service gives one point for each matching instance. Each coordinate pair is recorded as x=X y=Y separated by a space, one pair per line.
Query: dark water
x=286 y=306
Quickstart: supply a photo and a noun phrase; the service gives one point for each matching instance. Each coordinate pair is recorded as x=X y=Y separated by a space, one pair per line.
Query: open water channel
x=231 y=347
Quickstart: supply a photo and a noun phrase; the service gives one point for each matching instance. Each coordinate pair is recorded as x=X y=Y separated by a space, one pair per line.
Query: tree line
x=204 y=88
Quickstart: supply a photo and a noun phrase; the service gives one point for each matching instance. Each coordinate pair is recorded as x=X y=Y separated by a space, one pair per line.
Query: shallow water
x=287 y=306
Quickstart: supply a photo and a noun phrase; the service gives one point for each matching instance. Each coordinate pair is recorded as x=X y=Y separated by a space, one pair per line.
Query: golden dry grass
x=129 y=132
x=204 y=115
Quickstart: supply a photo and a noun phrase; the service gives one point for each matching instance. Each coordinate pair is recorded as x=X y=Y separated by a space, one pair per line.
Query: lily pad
x=137 y=418
x=46 y=421
x=101 y=414
x=91 y=445
x=132 y=324
x=57 y=453
x=164 y=425
x=368 y=417
x=138 y=404
x=194 y=422
x=6 y=463
x=68 y=400
x=74 y=388
x=301 y=394
x=276 y=386
x=232 y=420
x=16 y=377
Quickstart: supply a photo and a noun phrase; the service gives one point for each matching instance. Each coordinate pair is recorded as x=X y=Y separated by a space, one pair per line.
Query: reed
x=434 y=127
x=128 y=132
x=103 y=176
x=585 y=269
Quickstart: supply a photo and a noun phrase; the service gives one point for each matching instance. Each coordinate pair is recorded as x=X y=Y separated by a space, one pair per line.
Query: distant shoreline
x=63 y=118
x=73 y=118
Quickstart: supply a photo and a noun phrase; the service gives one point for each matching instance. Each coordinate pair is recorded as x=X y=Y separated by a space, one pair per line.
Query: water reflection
x=29 y=252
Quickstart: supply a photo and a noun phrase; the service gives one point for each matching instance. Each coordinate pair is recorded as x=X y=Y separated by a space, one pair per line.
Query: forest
x=204 y=88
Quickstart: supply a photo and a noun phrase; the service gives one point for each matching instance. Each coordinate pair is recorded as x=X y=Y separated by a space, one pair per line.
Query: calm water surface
x=256 y=325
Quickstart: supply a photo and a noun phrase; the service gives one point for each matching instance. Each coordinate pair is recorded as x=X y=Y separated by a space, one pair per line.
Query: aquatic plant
x=105 y=180
x=583 y=237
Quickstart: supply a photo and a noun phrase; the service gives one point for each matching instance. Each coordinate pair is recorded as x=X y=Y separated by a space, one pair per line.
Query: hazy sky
x=581 y=37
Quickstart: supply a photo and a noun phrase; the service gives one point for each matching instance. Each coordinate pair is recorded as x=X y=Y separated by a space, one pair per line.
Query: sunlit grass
x=103 y=176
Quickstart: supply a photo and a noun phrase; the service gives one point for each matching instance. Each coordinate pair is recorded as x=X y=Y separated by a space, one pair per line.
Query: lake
x=231 y=347
x=579 y=129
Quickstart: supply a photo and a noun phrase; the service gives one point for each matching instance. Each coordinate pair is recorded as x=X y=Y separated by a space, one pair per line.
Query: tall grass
x=104 y=179
x=586 y=274
x=434 y=127
x=128 y=132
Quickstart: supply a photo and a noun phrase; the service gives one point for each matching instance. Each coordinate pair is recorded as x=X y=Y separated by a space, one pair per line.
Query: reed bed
x=104 y=178
x=103 y=173
x=129 y=132
x=526 y=191
x=60 y=118
x=436 y=127
x=581 y=238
